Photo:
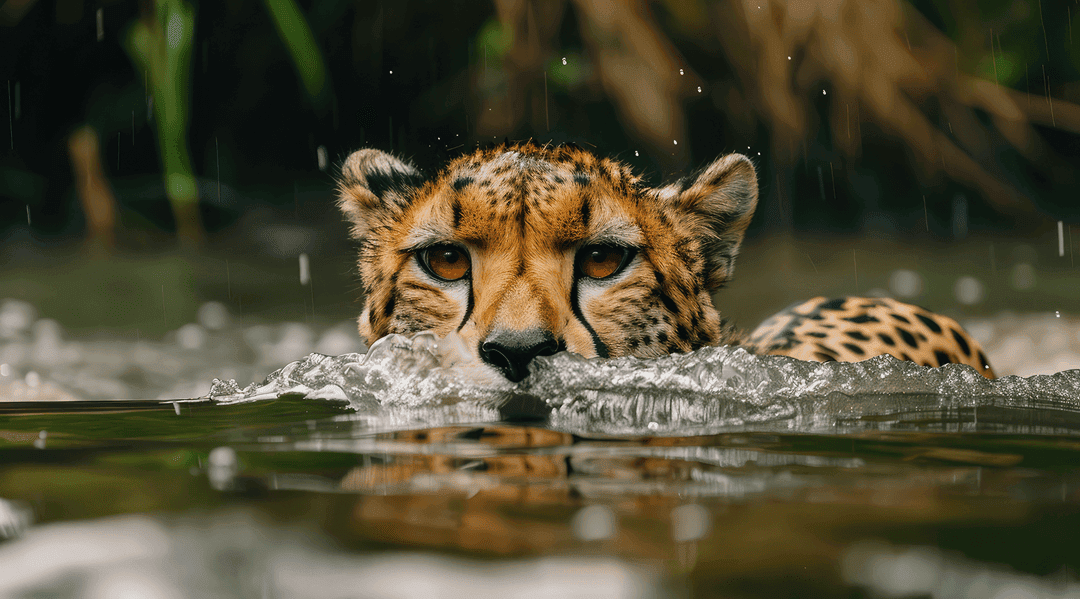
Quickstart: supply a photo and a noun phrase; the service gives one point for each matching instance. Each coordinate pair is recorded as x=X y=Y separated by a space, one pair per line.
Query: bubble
x=594 y=523
x=1022 y=277
x=690 y=522
x=906 y=283
x=968 y=290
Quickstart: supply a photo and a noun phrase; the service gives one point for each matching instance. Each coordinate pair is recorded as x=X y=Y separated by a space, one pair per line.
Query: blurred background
x=166 y=173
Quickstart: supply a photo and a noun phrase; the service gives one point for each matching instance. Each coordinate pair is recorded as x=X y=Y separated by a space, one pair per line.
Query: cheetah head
x=527 y=250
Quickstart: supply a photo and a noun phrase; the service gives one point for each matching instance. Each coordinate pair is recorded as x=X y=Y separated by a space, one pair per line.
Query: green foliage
x=300 y=42
x=161 y=47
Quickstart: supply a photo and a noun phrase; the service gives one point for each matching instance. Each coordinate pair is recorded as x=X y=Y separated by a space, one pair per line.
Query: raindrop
x=789 y=58
x=100 y=24
x=18 y=100
x=32 y=379
x=305 y=272
x=676 y=141
x=1057 y=313
x=699 y=89
x=191 y=336
x=823 y=92
x=320 y=154
x=636 y=153
x=681 y=72
x=564 y=60
x=759 y=153
x=28 y=215
x=905 y=283
x=391 y=71
x=968 y=290
x=213 y=315
x=5 y=370
x=653 y=426
x=1061 y=239
x=222 y=467
x=39 y=443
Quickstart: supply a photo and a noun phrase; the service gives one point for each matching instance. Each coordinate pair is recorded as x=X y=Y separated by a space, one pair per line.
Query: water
x=399 y=473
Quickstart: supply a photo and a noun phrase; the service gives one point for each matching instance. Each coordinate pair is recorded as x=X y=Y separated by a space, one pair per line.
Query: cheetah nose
x=511 y=351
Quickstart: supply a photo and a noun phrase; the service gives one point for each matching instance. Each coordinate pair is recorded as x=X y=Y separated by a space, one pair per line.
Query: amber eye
x=602 y=261
x=446 y=262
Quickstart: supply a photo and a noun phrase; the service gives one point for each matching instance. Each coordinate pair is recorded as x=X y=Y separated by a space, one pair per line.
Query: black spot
x=929 y=322
x=887 y=340
x=461 y=183
x=559 y=179
x=826 y=349
x=662 y=337
x=817 y=334
x=961 y=342
x=456 y=208
x=824 y=357
x=904 y=356
x=855 y=349
x=983 y=360
x=942 y=357
x=900 y=318
x=654 y=320
x=682 y=333
x=833 y=304
x=388 y=307
x=857 y=336
x=634 y=343
x=647 y=340
x=401 y=183
x=485 y=184
x=685 y=183
x=581 y=179
x=586 y=213
x=907 y=337
x=862 y=319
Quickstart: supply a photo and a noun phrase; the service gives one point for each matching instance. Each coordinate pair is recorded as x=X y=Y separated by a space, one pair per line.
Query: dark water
x=300 y=497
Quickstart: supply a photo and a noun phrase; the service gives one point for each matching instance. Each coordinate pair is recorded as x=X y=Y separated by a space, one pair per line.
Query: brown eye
x=602 y=261
x=446 y=262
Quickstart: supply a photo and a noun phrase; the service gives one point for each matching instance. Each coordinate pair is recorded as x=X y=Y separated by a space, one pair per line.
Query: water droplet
x=676 y=141
x=789 y=58
x=690 y=523
x=305 y=269
x=564 y=60
x=5 y=370
x=653 y=426
x=681 y=72
x=391 y=72
x=968 y=290
x=699 y=89
x=823 y=92
x=1057 y=313
x=759 y=153
x=320 y=155
x=636 y=153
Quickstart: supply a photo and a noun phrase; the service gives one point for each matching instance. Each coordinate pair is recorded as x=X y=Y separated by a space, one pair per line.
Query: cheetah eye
x=601 y=261
x=445 y=262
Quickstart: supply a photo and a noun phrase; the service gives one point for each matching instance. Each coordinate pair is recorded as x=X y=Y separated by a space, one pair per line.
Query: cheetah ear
x=375 y=187
x=720 y=202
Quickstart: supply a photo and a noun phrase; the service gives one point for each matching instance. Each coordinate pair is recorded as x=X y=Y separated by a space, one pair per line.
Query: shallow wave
x=425 y=379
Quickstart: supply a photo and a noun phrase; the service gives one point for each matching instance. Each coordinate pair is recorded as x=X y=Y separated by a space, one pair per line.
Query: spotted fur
x=524 y=215
x=851 y=329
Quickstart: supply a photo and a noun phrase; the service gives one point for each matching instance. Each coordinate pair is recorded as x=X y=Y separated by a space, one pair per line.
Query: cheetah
x=527 y=250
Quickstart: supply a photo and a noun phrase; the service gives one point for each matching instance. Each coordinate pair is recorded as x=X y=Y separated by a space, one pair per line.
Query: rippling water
x=402 y=472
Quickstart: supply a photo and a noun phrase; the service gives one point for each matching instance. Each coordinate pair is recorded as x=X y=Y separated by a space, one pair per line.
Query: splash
x=428 y=379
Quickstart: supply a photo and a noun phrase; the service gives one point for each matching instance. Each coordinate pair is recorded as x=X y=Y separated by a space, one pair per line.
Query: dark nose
x=511 y=351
